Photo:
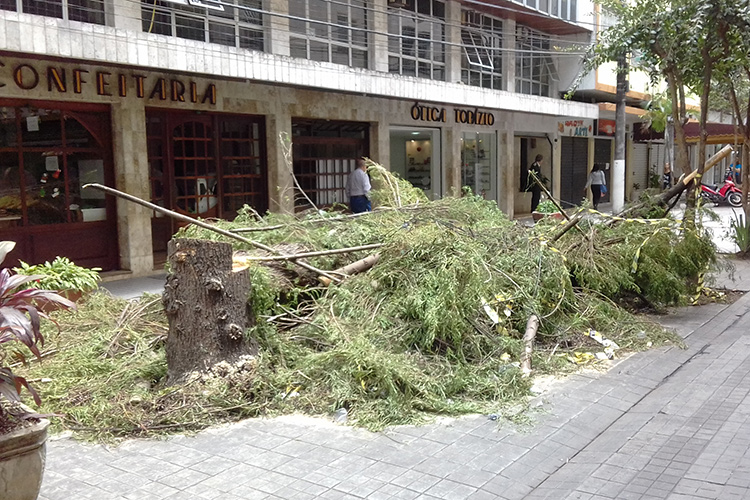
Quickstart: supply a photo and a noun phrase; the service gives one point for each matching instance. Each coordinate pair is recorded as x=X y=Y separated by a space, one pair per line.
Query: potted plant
x=22 y=432
x=546 y=208
x=71 y=280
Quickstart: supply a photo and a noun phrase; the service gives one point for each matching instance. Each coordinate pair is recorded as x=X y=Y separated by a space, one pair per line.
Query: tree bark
x=206 y=306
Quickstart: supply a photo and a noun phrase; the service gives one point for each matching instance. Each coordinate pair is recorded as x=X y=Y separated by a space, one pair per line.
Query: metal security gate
x=573 y=169
x=603 y=157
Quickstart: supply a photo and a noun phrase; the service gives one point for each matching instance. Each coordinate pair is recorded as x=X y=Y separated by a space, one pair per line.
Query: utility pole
x=617 y=178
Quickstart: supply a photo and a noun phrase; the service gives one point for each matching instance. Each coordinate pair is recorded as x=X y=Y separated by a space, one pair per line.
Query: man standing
x=358 y=188
x=534 y=187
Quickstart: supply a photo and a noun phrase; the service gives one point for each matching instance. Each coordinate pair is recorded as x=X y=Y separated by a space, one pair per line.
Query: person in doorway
x=595 y=182
x=533 y=184
x=666 y=178
x=358 y=188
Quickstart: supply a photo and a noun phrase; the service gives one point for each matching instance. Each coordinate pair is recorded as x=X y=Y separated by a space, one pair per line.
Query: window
x=324 y=155
x=86 y=11
x=535 y=69
x=564 y=9
x=238 y=24
x=329 y=31
x=47 y=156
x=416 y=38
x=482 y=61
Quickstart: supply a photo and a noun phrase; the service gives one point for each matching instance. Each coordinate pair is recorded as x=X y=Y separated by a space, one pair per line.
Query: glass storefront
x=47 y=155
x=478 y=164
x=415 y=156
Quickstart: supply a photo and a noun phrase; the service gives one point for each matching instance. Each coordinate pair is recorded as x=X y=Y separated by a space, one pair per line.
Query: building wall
x=90 y=60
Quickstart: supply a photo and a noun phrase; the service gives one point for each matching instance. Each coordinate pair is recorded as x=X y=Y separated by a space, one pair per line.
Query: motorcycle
x=728 y=193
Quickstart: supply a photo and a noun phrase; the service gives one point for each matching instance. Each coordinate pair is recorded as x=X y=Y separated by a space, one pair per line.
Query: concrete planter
x=22 y=454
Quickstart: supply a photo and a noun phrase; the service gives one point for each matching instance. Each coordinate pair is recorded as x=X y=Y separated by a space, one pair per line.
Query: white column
x=453 y=49
x=124 y=14
x=278 y=37
x=378 y=39
x=509 y=56
x=280 y=181
x=131 y=176
x=507 y=172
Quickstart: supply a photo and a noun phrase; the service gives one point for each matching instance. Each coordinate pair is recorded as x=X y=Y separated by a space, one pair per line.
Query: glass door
x=478 y=158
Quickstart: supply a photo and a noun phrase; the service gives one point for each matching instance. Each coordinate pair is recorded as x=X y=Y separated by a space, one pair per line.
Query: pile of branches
x=436 y=325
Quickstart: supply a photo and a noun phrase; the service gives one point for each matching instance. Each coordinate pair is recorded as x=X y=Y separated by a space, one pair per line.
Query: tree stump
x=206 y=306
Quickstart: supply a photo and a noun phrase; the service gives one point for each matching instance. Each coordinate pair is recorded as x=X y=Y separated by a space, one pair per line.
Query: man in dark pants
x=358 y=188
x=534 y=187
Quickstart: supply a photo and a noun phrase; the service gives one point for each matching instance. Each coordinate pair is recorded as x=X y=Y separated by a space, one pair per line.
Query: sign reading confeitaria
x=65 y=80
x=467 y=116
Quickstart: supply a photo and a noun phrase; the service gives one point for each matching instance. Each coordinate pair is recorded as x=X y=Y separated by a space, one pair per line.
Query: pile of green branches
x=413 y=337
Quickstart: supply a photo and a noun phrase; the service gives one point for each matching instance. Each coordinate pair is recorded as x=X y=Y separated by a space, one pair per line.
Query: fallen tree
x=437 y=324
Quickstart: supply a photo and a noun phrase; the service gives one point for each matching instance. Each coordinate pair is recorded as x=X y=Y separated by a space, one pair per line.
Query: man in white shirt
x=358 y=188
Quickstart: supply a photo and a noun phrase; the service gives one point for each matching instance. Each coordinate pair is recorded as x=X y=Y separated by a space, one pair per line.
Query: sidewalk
x=667 y=423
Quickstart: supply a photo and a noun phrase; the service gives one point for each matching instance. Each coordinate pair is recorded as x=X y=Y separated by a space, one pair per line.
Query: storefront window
x=47 y=156
x=415 y=156
x=478 y=158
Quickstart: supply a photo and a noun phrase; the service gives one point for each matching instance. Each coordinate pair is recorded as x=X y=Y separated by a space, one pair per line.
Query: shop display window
x=47 y=155
x=478 y=164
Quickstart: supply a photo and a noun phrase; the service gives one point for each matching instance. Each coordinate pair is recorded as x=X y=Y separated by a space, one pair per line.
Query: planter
x=22 y=454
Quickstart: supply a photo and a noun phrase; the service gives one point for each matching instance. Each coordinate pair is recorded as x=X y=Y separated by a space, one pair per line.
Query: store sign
x=576 y=128
x=606 y=127
x=467 y=116
x=63 y=80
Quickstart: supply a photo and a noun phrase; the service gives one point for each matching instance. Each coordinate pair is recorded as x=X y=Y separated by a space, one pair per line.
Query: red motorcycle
x=728 y=193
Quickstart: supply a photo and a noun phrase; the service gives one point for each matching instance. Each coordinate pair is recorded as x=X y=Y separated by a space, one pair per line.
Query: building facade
x=205 y=106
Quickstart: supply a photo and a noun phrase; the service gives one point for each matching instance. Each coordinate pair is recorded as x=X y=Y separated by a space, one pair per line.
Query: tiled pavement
x=668 y=423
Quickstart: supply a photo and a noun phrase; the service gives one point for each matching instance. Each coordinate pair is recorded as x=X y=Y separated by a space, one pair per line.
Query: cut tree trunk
x=207 y=308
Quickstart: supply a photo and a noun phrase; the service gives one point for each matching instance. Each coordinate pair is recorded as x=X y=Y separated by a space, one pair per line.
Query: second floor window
x=535 y=69
x=416 y=38
x=329 y=31
x=239 y=24
x=86 y=11
x=482 y=58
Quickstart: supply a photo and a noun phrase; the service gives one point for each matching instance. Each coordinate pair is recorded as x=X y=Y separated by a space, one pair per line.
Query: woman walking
x=598 y=184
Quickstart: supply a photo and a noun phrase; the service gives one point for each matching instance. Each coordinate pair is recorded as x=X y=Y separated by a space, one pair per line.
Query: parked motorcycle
x=728 y=193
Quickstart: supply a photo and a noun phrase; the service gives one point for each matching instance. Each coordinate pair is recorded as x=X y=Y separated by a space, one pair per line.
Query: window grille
x=331 y=32
x=86 y=11
x=416 y=38
x=482 y=61
x=236 y=24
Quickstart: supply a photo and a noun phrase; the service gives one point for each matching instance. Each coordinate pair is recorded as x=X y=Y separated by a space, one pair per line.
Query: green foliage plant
x=547 y=207
x=740 y=233
x=61 y=274
x=20 y=320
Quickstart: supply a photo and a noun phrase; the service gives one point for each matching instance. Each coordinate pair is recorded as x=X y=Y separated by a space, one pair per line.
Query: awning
x=718 y=133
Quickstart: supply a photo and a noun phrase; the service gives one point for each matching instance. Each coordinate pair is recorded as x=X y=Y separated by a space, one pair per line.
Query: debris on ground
x=434 y=327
